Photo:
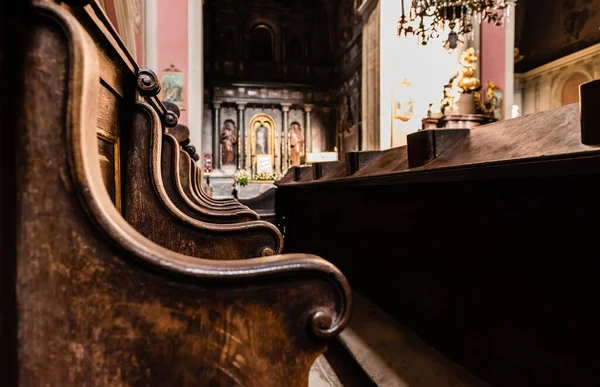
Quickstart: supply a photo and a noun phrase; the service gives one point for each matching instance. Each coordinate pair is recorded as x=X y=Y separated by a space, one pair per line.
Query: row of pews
x=126 y=272
x=483 y=242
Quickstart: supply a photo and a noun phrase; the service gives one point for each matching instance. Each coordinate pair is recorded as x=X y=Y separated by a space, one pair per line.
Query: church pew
x=182 y=134
x=187 y=173
x=482 y=242
x=99 y=304
x=174 y=166
x=131 y=122
x=164 y=214
x=230 y=212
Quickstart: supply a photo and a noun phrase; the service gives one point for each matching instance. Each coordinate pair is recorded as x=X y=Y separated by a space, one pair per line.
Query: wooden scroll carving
x=99 y=304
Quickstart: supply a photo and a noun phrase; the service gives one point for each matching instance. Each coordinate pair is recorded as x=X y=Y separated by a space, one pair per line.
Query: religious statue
x=228 y=141
x=262 y=141
x=296 y=143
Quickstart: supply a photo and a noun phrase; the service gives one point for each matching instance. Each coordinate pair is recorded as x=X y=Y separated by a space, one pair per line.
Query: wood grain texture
x=101 y=305
x=548 y=135
x=108 y=111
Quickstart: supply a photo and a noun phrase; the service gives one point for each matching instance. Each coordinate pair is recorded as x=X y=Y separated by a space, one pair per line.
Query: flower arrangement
x=265 y=176
x=242 y=177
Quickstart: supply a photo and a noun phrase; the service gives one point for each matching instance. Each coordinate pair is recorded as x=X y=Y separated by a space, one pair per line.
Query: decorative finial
x=148 y=82
x=171 y=119
x=190 y=149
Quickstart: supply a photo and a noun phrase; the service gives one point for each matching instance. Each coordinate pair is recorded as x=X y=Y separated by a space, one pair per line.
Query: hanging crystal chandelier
x=428 y=17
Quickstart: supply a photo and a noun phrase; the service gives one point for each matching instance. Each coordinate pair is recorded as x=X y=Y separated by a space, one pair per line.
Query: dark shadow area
x=14 y=33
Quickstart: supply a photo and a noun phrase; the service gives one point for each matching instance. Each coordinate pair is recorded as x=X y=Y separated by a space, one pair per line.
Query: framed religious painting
x=173 y=86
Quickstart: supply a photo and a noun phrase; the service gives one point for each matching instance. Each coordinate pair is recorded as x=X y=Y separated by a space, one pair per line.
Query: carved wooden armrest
x=99 y=304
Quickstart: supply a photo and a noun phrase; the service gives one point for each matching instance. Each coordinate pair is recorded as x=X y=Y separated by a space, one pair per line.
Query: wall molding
x=541 y=88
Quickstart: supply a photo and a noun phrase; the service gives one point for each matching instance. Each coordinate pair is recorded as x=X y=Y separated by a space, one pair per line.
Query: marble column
x=241 y=124
x=307 y=127
x=285 y=108
x=216 y=148
x=509 y=56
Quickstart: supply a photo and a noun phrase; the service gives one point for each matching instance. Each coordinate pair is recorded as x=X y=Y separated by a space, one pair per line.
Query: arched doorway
x=262 y=143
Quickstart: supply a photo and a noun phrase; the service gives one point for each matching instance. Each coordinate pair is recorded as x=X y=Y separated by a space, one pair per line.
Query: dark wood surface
x=488 y=252
x=99 y=304
x=263 y=204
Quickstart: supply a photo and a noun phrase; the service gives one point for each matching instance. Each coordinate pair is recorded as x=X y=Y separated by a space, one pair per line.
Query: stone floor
x=222 y=187
x=390 y=354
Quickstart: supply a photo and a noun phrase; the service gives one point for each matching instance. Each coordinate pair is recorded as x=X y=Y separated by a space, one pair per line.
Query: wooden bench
x=140 y=163
x=482 y=242
x=100 y=304
x=190 y=173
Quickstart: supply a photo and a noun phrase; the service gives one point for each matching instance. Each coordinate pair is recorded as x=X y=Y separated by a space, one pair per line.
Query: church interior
x=318 y=193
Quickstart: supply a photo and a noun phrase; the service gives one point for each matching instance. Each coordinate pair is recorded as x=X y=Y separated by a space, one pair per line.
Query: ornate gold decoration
x=491 y=103
x=266 y=121
x=466 y=80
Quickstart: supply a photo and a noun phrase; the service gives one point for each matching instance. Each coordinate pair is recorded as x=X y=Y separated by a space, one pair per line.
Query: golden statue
x=451 y=96
x=466 y=80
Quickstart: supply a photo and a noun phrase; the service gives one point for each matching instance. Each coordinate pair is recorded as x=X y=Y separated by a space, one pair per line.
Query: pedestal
x=463 y=121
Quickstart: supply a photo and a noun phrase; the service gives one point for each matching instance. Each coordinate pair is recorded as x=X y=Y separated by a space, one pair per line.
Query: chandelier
x=428 y=17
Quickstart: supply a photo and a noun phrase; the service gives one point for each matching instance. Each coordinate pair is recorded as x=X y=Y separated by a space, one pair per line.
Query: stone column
x=285 y=108
x=308 y=130
x=509 y=56
x=372 y=134
x=216 y=148
x=241 y=124
x=244 y=153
